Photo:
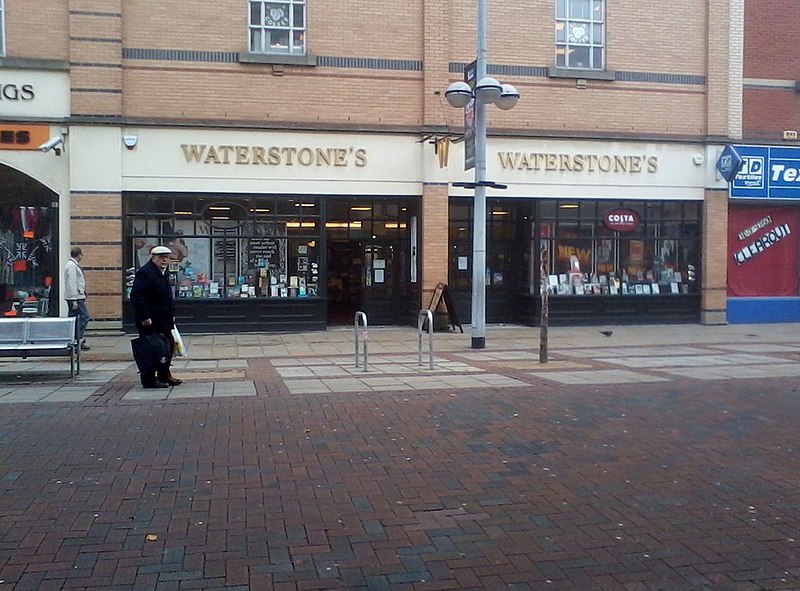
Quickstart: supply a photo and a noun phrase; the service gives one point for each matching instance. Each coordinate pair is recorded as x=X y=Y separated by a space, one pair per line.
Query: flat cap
x=161 y=250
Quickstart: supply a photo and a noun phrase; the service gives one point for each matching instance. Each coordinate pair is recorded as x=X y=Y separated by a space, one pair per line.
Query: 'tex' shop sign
x=767 y=172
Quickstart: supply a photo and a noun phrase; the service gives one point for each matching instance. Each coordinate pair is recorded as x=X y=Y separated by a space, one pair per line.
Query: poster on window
x=762 y=251
x=568 y=247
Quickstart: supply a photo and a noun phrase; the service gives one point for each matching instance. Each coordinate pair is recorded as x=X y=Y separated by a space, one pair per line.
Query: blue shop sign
x=767 y=172
x=729 y=163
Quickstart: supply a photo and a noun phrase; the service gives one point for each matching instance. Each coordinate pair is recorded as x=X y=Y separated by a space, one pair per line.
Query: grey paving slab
x=194 y=364
x=142 y=394
x=318 y=371
x=776 y=370
x=17 y=398
x=641 y=350
x=235 y=388
x=70 y=395
x=601 y=376
x=508 y=355
x=760 y=348
x=105 y=366
x=691 y=361
x=306 y=386
x=232 y=363
x=192 y=390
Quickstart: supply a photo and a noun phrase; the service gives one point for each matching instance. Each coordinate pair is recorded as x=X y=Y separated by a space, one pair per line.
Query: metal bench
x=41 y=337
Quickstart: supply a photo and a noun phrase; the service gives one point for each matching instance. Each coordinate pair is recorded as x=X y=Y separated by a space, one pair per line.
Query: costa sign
x=621 y=220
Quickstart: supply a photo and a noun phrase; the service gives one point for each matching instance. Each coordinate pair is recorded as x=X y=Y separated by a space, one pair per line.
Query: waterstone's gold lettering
x=274 y=155
x=559 y=162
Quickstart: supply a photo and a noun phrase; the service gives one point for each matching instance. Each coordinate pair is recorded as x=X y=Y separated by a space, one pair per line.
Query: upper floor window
x=580 y=34
x=278 y=26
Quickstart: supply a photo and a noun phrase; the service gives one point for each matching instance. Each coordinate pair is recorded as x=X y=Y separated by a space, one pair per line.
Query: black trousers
x=154 y=356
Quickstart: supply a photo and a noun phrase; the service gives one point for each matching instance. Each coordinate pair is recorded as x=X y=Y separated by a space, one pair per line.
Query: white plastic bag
x=179 y=348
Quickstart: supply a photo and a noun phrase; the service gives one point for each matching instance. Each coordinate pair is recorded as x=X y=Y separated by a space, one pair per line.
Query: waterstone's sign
x=767 y=172
x=555 y=162
x=274 y=155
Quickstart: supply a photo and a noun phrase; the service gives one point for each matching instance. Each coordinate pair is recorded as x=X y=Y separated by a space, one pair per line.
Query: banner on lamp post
x=470 y=74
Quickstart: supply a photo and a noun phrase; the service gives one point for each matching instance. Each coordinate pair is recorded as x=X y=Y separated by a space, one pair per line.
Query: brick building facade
x=763 y=264
x=167 y=111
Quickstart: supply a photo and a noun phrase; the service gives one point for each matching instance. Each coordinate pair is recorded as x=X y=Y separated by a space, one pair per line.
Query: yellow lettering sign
x=559 y=162
x=274 y=155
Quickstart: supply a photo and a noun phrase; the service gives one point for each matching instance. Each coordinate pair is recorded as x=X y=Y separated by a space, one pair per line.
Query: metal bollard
x=360 y=335
x=423 y=314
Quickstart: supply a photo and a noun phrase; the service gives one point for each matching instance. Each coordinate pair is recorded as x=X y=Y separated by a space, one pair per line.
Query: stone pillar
x=714 y=278
x=434 y=239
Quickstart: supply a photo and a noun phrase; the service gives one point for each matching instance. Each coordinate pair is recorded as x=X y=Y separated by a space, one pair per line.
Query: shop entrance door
x=366 y=277
x=345 y=262
x=370 y=265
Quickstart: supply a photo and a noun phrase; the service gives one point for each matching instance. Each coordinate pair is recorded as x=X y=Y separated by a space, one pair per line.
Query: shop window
x=619 y=248
x=277 y=26
x=229 y=247
x=29 y=259
x=580 y=34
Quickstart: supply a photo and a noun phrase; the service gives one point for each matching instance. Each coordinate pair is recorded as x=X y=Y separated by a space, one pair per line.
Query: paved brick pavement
x=619 y=465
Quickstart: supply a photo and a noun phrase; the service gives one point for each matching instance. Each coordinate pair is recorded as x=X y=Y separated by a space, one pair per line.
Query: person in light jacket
x=75 y=294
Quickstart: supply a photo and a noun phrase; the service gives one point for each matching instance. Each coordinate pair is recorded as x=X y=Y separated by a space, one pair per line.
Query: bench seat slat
x=40 y=337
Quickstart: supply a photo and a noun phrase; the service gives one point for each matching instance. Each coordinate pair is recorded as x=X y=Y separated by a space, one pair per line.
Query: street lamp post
x=486 y=91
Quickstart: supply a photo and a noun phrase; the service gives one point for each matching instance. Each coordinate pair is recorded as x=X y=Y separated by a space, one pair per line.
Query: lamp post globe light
x=459 y=94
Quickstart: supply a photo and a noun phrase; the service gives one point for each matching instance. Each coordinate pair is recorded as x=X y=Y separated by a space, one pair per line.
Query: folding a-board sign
x=442 y=294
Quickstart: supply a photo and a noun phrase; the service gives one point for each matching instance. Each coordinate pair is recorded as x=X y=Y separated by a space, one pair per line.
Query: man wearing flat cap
x=152 y=300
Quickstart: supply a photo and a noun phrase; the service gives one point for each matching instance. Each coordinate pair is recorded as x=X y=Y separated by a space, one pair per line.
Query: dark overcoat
x=151 y=296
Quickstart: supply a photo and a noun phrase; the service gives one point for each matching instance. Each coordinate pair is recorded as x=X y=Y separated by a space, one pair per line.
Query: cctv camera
x=52 y=144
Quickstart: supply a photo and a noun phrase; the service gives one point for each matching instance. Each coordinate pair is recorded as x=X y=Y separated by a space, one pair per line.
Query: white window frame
x=283 y=36
x=580 y=33
x=2 y=27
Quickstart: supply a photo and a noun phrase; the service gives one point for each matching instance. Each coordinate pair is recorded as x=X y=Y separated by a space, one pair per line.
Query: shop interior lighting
x=569 y=206
x=219 y=208
x=499 y=212
x=260 y=210
x=183 y=213
x=301 y=224
x=220 y=217
x=343 y=225
x=305 y=204
x=361 y=208
x=394 y=225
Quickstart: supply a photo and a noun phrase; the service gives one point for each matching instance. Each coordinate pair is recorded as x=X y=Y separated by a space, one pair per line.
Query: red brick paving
x=681 y=485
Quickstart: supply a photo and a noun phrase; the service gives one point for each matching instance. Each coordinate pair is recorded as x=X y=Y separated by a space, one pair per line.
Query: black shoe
x=155 y=384
x=84 y=346
x=174 y=381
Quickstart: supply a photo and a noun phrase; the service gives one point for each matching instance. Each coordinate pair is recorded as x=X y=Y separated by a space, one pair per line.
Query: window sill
x=33 y=64
x=277 y=59
x=555 y=72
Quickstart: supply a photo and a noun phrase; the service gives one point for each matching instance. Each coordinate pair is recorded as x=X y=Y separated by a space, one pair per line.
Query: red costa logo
x=621 y=220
